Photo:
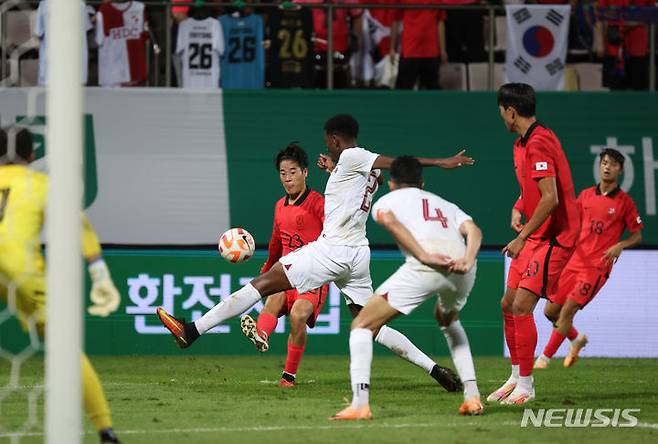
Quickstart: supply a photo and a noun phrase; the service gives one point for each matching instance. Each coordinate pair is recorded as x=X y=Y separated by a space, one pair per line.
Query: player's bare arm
x=406 y=240
x=547 y=203
x=459 y=159
x=516 y=221
x=473 y=236
x=613 y=253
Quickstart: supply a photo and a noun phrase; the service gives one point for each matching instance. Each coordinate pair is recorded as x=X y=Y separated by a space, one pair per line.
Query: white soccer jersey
x=121 y=35
x=433 y=221
x=40 y=31
x=200 y=43
x=348 y=198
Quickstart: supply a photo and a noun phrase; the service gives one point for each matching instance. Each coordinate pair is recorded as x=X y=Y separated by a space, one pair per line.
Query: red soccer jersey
x=635 y=36
x=295 y=225
x=539 y=154
x=420 y=35
x=604 y=219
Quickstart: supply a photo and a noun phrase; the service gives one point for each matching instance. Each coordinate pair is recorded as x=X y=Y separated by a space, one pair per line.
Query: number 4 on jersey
x=438 y=217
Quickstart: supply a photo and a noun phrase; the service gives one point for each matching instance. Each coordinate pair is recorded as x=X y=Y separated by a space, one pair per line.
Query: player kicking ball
x=298 y=219
x=422 y=224
x=544 y=244
x=606 y=212
x=341 y=253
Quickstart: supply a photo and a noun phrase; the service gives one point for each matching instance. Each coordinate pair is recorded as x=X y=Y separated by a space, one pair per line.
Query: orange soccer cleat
x=183 y=333
x=352 y=414
x=472 y=407
x=578 y=344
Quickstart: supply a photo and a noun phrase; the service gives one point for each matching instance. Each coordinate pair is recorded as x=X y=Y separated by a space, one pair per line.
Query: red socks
x=526 y=342
x=292 y=359
x=508 y=319
x=556 y=340
x=266 y=324
x=573 y=333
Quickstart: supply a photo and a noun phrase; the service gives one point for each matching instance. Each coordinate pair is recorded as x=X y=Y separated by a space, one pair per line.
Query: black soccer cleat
x=108 y=437
x=447 y=378
x=185 y=333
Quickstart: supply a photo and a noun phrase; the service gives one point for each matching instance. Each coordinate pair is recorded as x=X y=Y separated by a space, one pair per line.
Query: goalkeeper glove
x=104 y=294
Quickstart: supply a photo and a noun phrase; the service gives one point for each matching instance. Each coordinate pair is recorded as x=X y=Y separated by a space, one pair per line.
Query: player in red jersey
x=607 y=211
x=298 y=219
x=544 y=244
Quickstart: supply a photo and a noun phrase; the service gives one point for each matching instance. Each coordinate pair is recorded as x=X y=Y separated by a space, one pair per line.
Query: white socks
x=237 y=303
x=514 y=377
x=460 y=351
x=525 y=383
x=360 y=363
x=403 y=347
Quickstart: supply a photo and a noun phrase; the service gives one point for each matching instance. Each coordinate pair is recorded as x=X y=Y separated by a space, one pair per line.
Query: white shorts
x=319 y=263
x=409 y=287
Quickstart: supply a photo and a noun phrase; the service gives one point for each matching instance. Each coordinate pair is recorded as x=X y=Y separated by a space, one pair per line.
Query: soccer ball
x=236 y=245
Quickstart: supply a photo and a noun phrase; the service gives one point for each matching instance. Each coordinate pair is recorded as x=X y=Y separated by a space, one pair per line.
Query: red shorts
x=580 y=285
x=538 y=267
x=315 y=297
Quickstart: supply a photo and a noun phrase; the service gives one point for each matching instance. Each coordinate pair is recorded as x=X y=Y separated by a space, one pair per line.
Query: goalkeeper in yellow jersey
x=23 y=195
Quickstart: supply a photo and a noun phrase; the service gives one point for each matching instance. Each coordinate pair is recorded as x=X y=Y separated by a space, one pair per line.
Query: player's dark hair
x=20 y=138
x=519 y=96
x=407 y=170
x=292 y=152
x=343 y=125
x=614 y=155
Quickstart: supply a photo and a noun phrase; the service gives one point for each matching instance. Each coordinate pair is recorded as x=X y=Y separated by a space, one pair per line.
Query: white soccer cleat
x=502 y=392
x=519 y=396
x=248 y=327
x=542 y=362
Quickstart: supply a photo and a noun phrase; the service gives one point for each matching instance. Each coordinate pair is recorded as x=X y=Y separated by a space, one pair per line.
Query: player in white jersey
x=200 y=43
x=341 y=253
x=40 y=31
x=423 y=224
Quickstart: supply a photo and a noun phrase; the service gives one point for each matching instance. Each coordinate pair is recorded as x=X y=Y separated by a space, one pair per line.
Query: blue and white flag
x=537 y=39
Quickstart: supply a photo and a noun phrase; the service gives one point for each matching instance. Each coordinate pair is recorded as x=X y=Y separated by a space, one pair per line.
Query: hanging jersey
x=348 y=197
x=200 y=43
x=243 y=61
x=121 y=32
x=433 y=221
x=290 y=56
x=40 y=31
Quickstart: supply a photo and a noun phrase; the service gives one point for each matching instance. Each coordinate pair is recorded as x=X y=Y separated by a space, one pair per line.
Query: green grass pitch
x=227 y=399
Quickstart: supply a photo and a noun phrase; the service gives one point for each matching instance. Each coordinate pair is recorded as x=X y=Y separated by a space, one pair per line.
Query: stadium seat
x=478 y=74
x=500 y=33
x=29 y=73
x=453 y=76
x=19 y=29
x=570 y=79
x=590 y=76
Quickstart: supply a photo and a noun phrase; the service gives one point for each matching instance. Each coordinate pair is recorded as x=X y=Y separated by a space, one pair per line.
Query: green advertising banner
x=437 y=124
x=188 y=283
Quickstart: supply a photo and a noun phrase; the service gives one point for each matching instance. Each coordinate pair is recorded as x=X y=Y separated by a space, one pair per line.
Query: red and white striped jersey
x=121 y=32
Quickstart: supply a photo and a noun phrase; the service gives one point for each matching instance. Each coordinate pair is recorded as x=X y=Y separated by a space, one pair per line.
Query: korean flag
x=537 y=38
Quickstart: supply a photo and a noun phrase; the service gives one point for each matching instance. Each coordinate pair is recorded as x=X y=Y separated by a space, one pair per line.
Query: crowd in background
x=283 y=47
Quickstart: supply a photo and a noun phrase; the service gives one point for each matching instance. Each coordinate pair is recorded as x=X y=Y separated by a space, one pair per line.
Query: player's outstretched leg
x=95 y=403
x=185 y=333
x=504 y=390
x=460 y=350
x=403 y=347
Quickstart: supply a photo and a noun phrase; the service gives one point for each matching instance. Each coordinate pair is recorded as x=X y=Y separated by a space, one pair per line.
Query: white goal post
x=64 y=272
